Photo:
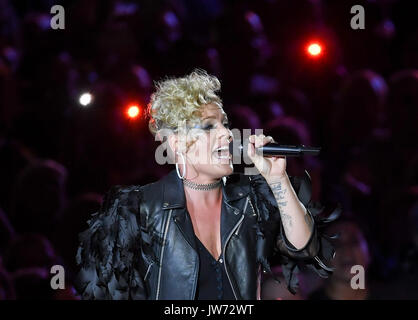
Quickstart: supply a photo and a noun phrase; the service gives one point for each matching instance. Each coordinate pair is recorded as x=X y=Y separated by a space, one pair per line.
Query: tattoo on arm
x=279 y=194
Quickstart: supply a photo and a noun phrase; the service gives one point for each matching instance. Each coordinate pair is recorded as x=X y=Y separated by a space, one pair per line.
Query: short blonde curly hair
x=177 y=102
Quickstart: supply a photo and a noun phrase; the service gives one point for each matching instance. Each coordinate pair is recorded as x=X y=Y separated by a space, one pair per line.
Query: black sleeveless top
x=213 y=282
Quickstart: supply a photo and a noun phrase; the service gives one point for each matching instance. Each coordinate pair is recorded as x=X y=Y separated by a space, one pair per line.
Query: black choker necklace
x=202 y=186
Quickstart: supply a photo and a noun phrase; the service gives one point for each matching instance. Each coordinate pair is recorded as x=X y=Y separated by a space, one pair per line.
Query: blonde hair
x=177 y=102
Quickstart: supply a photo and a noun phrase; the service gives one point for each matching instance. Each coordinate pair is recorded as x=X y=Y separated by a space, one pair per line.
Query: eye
x=208 y=126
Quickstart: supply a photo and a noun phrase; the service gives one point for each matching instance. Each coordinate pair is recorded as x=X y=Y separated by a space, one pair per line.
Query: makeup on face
x=216 y=120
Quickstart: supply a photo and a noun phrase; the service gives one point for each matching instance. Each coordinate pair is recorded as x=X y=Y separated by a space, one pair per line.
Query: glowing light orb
x=314 y=49
x=133 y=111
x=85 y=99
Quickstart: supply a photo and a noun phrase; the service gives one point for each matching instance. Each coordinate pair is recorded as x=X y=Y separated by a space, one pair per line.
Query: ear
x=172 y=141
x=177 y=142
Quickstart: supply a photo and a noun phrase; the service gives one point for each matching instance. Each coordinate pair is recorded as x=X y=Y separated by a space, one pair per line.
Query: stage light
x=85 y=99
x=314 y=49
x=133 y=111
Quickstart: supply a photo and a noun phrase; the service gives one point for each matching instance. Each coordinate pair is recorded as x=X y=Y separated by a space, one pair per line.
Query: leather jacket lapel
x=174 y=198
x=173 y=192
x=233 y=201
x=184 y=223
x=230 y=216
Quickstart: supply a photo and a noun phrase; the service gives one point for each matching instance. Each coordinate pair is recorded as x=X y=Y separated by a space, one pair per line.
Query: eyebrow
x=224 y=116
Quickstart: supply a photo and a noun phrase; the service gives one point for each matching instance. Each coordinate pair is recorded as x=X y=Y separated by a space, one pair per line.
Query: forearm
x=296 y=222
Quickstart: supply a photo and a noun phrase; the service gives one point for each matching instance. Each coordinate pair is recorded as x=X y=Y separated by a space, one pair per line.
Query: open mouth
x=222 y=153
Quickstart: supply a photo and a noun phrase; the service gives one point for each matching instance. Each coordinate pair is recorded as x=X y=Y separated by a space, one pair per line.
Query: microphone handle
x=275 y=149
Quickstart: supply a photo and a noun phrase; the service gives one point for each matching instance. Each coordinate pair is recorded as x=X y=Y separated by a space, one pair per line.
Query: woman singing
x=201 y=232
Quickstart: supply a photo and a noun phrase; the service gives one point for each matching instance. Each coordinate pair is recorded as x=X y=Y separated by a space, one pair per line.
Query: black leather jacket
x=140 y=244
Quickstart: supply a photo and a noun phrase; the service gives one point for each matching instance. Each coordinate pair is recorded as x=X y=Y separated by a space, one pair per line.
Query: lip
x=224 y=147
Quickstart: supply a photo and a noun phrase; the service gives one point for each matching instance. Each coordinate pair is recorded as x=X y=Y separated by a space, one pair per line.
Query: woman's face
x=209 y=157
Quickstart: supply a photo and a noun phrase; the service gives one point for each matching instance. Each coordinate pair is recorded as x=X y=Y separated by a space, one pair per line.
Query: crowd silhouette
x=359 y=102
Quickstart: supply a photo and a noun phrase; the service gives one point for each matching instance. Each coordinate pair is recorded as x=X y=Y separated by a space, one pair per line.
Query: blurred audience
x=74 y=221
x=351 y=251
x=39 y=197
x=7 y=288
x=7 y=232
x=276 y=289
x=358 y=101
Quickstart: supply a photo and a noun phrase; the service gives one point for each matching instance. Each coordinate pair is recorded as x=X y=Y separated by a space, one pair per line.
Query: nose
x=226 y=134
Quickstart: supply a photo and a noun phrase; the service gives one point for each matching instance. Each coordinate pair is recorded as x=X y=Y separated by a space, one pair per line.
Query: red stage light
x=133 y=111
x=314 y=49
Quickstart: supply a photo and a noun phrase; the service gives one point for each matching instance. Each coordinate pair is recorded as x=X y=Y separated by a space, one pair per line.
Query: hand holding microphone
x=269 y=167
x=269 y=157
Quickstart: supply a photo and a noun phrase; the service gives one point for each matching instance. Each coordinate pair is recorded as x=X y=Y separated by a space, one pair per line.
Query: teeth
x=222 y=148
x=220 y=153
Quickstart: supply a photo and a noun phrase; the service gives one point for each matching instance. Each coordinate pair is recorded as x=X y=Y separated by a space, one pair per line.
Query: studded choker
x=201 y=186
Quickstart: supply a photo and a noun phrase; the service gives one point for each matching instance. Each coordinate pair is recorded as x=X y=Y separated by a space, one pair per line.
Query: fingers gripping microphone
x=274 y=150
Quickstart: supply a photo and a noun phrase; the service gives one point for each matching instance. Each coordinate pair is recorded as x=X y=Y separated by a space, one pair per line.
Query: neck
x=200 y=179
x=200 y=198
x=203 y=196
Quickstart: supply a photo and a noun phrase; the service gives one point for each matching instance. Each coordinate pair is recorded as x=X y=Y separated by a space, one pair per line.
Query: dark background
x=358 y=101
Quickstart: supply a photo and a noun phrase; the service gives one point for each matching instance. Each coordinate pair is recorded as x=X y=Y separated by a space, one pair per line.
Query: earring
x=184 y=166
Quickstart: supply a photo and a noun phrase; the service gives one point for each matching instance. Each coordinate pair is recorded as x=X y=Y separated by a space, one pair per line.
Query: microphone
x=275 y=149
